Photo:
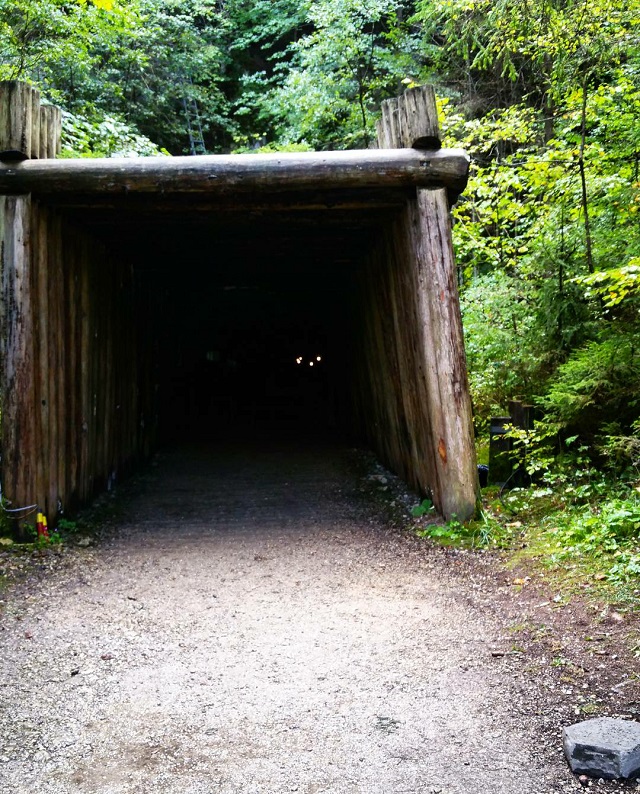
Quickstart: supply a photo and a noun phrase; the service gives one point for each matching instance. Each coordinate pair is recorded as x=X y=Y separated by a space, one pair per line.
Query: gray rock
x=603 y=747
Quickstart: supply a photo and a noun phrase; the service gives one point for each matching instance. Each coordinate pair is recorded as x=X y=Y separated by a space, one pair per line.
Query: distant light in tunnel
x=299 y=360
x=311 y=363
x=319 y=358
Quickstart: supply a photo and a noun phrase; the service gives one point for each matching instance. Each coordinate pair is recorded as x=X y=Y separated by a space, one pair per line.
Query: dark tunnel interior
x=252 y=312
x=249 y=341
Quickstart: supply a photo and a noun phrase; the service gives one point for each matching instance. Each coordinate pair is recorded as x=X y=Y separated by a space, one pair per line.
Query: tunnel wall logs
x=412 y=399
x=75 y=415
x=411 y=394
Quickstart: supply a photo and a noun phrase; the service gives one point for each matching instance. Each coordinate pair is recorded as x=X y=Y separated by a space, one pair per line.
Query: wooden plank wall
x=412 y=399
x=75 y=414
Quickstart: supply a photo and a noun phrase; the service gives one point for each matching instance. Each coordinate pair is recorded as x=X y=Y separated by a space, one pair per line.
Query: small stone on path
x=603 y=747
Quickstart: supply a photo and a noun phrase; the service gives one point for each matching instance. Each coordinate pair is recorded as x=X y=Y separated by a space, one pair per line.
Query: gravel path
x=251 y=626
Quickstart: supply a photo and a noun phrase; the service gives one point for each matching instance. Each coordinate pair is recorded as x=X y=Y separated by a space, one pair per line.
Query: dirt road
x=252 y=626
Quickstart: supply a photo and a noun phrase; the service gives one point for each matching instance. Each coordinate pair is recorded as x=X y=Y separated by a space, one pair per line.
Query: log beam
x=228 y=174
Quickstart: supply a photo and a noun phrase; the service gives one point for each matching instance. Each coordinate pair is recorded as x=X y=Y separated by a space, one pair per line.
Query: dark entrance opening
x=252 y=314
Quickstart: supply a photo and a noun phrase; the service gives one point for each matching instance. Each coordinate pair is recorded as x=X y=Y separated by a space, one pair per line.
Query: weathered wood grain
x=50 y=132
x=68 y=360
x=43 y=147
x=413 y=402
x=54 y=363
x=227 y=174
x=34 y=152
x=16 y=106
x=445 y=370
x=17 y=352
x=410 y=121
x=43 y=340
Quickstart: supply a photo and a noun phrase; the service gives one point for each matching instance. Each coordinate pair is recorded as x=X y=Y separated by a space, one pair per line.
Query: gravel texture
x=253 y=625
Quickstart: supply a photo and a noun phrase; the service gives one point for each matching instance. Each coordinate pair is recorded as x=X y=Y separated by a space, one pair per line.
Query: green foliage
x=270 y=148
x=37 y=36
x=448 y=534
x=614 y=286
x=41 y=541
x=106 y=136
x=67 y=525
x=538 y=292
x=597 y=384
x=608 y=532
x=335 y=77
x=479 y=533
x=424 y=508
x=620 y=448
x=502 y=342
x=178 y=56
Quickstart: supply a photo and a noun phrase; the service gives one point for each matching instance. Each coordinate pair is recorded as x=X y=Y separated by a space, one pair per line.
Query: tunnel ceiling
x=265 y=258
x=331 y=227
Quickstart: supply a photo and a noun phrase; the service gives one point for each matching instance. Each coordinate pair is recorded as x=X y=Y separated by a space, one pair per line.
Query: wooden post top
x=28 y=129
x=410 y=121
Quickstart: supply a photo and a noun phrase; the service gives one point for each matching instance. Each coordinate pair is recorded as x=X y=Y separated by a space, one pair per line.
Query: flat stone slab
x=603 y=747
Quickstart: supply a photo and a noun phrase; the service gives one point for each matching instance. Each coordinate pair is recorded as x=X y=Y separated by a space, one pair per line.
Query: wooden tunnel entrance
x=144 y=298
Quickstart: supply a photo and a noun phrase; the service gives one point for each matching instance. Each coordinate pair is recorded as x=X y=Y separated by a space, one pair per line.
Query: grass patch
x=592 y=549
x=587 y=544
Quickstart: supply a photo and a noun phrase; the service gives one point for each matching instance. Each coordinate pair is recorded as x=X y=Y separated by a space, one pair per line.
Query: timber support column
x=451 y=468
x=449 y=401
x=23 y=480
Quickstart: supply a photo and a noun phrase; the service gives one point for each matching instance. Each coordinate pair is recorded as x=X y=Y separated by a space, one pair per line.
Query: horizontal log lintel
x=229 y=174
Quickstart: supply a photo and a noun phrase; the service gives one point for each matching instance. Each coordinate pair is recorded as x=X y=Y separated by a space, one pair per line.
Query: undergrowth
x=582 y=531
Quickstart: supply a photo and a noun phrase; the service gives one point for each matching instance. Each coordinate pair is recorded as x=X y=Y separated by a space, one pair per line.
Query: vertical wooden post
x=50 y=132
x=43 y=147
x=85 y=402
x=34 y=153
x=16 y=107
x=72 y=426
x=446 y=372
x=27 y=128
x=56 y=384
x=40 y=264
x=20 y=471
x=421 y=418
x=410 y=121
x=16 y=352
